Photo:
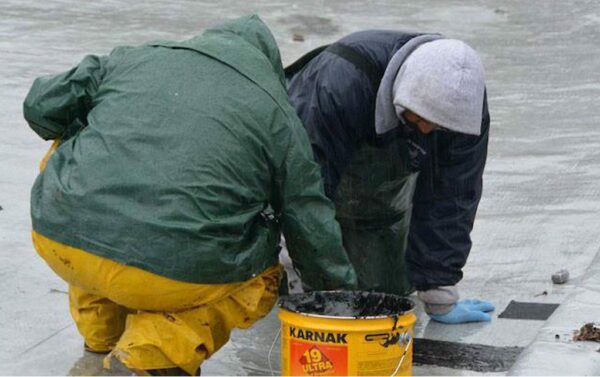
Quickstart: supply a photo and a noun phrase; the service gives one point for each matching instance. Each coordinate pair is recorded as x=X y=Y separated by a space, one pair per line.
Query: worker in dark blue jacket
x=399 y=124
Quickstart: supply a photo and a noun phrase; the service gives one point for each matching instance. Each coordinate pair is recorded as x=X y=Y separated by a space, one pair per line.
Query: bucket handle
x=403 y=354
x=271 y=351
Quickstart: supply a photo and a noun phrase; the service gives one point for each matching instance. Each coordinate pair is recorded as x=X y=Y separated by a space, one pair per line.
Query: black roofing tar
x=528 y=310
x=475 y=357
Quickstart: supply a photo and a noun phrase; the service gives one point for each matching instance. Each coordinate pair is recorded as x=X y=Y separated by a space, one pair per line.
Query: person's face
x=421 y=124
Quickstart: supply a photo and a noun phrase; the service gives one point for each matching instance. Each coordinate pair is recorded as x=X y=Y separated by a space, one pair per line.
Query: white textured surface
x=549 y=355
x=540 y=206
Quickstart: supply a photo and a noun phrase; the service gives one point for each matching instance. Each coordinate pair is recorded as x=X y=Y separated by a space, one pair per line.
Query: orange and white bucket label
x=316 y=359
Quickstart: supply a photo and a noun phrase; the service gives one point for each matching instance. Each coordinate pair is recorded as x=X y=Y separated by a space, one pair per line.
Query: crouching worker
x=175 y=168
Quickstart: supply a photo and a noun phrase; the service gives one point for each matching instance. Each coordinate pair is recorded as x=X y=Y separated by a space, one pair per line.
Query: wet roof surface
x=538 y=214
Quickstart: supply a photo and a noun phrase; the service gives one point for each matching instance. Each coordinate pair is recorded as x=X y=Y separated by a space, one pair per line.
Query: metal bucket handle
x=408 y=344
x=271 y=351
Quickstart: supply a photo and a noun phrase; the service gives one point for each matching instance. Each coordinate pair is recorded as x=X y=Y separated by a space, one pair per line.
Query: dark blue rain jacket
x=334 y=92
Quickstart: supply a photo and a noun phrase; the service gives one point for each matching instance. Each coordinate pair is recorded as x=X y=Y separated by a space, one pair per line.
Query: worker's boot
x=116 y=365
x=164 y=372
x=89 y=349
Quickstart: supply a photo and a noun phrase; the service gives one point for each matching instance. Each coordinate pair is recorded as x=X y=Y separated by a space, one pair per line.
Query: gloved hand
x=442 y=305
x=466 y=311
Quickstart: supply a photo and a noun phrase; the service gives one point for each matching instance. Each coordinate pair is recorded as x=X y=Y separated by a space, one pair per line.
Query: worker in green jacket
x=176 y=166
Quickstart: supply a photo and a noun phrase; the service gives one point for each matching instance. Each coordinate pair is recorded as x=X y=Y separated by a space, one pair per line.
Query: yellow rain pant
x=151 y=322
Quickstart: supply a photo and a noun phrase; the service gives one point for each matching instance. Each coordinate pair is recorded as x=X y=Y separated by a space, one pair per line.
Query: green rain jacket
x=185 y=159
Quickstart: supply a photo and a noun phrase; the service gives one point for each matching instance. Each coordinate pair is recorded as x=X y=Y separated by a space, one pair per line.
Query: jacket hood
x=246 y=45
x=254 y=32
x=386 y=117
x=444 y=82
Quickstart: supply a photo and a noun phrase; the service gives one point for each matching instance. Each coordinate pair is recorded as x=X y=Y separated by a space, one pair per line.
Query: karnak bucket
x=340 y=333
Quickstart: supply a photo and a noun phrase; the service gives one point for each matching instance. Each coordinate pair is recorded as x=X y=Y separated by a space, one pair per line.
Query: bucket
x=343 y=333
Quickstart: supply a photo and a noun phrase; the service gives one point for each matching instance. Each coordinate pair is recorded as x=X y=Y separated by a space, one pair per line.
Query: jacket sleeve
x=58 y=105
x=444 y=208
x=312 y=234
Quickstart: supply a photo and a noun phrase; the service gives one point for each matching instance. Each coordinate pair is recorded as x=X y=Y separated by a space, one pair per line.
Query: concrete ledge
x=550 y=354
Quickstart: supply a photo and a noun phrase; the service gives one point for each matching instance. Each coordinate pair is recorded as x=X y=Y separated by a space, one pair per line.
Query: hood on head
x=254 y=31
x=443 y=81
x=385 y=109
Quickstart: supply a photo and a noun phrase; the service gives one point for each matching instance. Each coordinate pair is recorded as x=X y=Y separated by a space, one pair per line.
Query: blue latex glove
x=466 y=311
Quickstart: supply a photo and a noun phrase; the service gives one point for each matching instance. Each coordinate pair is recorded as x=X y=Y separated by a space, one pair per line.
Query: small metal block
x=560 y=277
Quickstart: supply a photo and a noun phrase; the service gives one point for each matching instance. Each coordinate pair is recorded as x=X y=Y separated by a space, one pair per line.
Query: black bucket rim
x=384 y=316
